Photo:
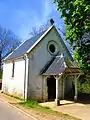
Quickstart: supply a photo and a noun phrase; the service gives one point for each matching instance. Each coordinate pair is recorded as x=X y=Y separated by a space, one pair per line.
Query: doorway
x=51 y=85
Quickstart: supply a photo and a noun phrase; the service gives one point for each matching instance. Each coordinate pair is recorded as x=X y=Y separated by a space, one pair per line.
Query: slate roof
x=58 y=66
x=29 y=44
x=23 y=48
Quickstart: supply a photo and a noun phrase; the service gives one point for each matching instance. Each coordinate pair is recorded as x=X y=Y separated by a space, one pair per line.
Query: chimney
x=51 y=21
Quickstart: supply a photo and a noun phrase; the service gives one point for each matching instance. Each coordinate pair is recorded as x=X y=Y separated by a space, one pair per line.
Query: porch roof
x=61 y=65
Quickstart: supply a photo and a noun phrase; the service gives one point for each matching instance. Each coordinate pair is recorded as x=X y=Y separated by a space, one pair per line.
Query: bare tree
x=8 y=42
x=40 y=29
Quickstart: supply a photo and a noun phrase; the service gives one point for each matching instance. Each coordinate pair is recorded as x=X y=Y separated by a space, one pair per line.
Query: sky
x=21 y=15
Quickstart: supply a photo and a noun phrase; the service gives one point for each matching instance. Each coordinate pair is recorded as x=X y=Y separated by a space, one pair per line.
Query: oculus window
x=53 y=47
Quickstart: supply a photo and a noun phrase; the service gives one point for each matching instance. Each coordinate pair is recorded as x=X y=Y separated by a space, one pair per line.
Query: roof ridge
x=40 y=38
x=27 y=45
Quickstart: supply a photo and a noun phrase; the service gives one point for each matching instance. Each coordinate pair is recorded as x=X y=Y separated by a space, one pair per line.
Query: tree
x=76 y=14
x=8 y=42
x=40 y=29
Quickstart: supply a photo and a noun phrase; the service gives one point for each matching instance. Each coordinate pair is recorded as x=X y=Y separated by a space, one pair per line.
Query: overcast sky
x=21 y=15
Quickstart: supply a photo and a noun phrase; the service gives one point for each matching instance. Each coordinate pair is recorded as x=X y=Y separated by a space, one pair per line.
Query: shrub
x=84 y=85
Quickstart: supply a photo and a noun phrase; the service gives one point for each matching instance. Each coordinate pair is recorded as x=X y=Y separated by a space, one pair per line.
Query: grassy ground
x=33 y=108
x=45 y=112
x=33 y=104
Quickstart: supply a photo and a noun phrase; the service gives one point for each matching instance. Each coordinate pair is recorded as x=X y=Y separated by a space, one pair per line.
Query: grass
x=44 y=109
x=32 y=104
x=39 y=110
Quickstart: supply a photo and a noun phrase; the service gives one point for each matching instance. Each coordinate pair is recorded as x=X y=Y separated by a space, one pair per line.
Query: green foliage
x=84 y=87
x=76 y=14
x=84 y=84
x=33 y=104
x=42 y=110
x=30 y=103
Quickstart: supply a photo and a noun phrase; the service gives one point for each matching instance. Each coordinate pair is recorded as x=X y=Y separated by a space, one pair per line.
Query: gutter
x=26 y=77
x=9 y=60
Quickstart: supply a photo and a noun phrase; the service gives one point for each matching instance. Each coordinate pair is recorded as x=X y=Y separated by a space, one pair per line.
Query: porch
x=56 y=76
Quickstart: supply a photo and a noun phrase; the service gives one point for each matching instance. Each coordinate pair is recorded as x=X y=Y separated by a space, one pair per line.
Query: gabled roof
x=23 y=48
x=28 y=45
x=59 y=65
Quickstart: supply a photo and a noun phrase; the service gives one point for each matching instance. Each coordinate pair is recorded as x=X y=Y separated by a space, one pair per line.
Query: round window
x=53 y=47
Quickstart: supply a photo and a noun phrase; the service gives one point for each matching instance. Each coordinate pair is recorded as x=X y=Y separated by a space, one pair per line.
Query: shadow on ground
x=84 y=98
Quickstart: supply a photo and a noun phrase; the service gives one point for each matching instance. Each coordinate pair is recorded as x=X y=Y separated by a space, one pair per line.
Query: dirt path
x=36 y=113
x=78 y=110
x=46 y=115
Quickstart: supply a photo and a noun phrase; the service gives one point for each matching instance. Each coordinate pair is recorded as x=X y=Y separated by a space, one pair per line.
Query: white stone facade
x=27 y=81
x=14 y=85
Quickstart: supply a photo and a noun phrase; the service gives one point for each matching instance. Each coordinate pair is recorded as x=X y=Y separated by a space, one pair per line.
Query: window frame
x=55 y=44
x=13 y=69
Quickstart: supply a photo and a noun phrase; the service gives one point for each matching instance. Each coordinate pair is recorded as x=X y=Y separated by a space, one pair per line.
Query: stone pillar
x=57 y=92
x=76 y=92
